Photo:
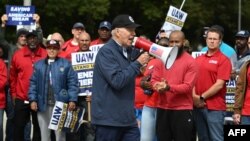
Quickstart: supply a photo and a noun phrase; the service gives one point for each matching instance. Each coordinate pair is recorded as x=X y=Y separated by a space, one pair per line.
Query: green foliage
x=60 y=15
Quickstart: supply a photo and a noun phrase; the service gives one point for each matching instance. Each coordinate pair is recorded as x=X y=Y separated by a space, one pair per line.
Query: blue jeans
x=245 y=120
x=1 y=124
x=148 y=124
x=209 y=124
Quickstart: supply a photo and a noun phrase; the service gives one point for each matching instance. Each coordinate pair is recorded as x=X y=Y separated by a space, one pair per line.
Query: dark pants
x=177 y=125
x=111 y=133
x=79 y=135
x=9 y=109
x=21 y=118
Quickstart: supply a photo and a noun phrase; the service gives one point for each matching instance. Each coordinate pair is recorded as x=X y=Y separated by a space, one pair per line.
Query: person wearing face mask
x=113 y=93
x=174 y=119
x=21 y=69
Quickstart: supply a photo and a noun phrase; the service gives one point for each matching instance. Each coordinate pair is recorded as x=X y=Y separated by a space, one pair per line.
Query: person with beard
x=210 y=89
x=114 y=76
x=242 y=50
x=174 y=120
x=104 y=33
x=21 y=69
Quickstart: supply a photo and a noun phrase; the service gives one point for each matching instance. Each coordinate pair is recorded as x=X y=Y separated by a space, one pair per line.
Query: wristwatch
x=202 y=98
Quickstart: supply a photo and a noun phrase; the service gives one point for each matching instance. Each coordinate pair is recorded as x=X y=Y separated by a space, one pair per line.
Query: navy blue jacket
x=114 y=87
x=64 y=82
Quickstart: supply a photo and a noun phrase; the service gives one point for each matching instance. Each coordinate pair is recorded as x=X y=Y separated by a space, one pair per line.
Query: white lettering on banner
x=56 y=115
x=178 y=14
x=84 y=82
x=20 y=15
x=88 y=74
x=20 y=9
x=19 y=19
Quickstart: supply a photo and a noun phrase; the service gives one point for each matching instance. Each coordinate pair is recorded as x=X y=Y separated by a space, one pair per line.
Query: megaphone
x=166 y=54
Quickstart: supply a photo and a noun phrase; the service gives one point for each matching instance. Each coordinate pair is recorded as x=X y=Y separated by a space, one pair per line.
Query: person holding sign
x=53 y=80
x=210 y=89
x=114 y=84
x=81 y=135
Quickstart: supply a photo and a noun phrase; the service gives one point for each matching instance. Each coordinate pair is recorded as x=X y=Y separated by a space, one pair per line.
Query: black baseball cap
x=242 y=33
x=31 y=33
x=105 y=24
x=78 y=25
x=21 y=31
x=124 y=21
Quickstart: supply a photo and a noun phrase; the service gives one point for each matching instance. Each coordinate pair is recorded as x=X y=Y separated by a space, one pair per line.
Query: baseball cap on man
x=78 y=25
x=53 y=43
x=21 y=31
x=105 y=24
x=242 y=33
x=124 y=21
x=31 y=33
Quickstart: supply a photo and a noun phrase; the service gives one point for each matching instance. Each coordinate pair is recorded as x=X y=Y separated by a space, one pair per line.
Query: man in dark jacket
x=114 y=84
x=53 y=80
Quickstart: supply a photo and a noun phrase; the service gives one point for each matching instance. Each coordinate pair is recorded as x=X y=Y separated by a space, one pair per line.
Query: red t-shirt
x=96 y=42
x=211 y=68
x=67 y=49
x=181 y=78
x=246 y=106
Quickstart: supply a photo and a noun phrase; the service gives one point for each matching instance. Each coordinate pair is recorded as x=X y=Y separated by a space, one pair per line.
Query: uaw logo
x=156 y=51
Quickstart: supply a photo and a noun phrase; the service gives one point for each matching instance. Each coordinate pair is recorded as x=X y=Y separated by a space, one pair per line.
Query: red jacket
x=3 y=82
x=21 y=70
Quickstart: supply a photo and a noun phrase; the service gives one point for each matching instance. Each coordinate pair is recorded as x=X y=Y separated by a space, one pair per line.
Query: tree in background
x=60 y=15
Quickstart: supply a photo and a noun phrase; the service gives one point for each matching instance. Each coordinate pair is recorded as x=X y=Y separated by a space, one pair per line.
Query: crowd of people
x=134 y=96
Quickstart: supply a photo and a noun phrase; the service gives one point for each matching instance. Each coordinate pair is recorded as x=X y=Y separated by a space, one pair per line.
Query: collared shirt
x=21 y=70
x=211 y=68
